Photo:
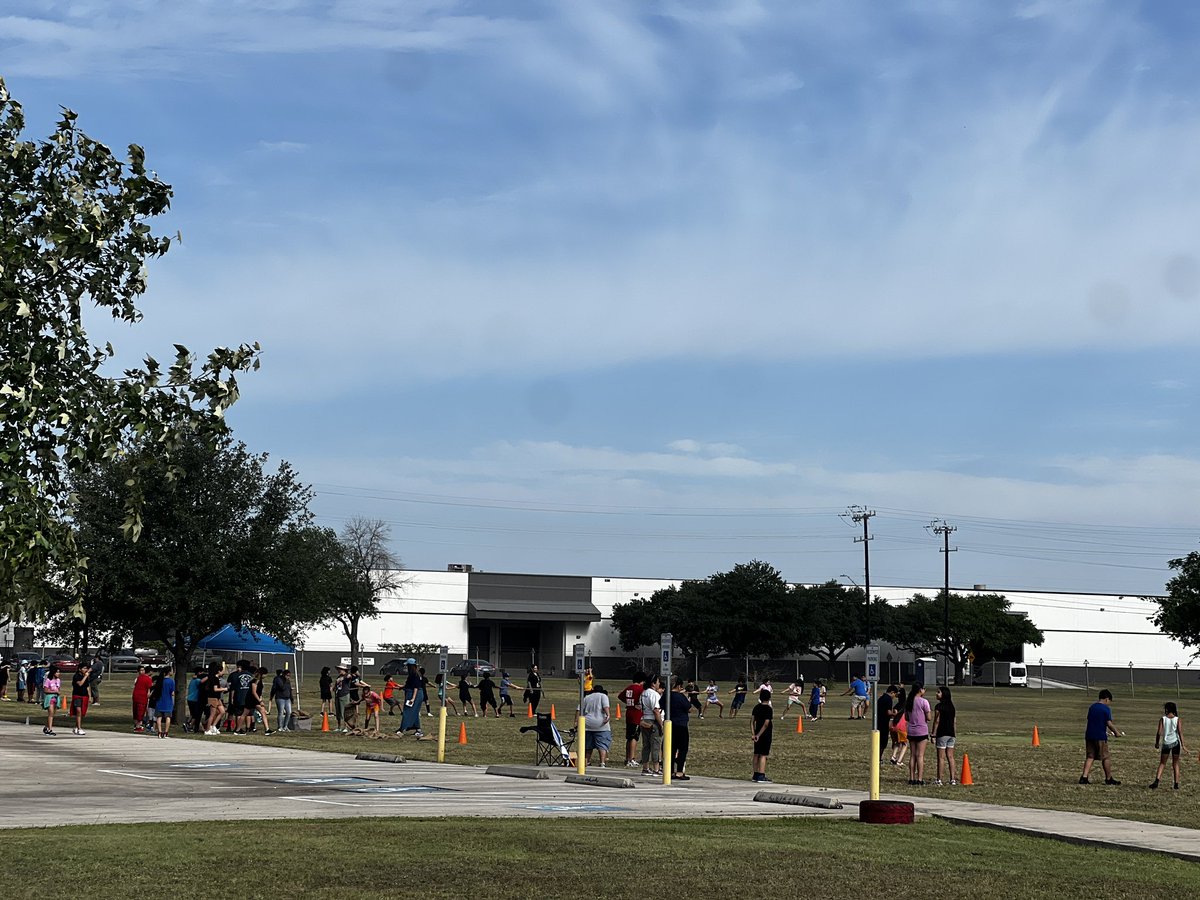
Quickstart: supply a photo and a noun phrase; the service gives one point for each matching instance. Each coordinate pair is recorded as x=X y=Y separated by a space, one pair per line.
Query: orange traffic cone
x=324 y=721
x=462 y=733
x=618 y=712
x=966 y=778
x=1037 y=741
x=530 y=716
x=553 y=715
x=800 y=724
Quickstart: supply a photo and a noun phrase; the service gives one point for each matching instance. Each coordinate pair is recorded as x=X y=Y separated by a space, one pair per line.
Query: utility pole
x=860 y=515
x=945 y=529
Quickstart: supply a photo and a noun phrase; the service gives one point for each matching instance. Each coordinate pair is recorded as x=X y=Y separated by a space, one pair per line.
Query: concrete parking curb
x=381 y=757
x=612 y=781
x=798 y=799
x=530 y=772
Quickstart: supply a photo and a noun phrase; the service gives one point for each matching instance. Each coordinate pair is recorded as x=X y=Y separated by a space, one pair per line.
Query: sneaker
x=81 y=732
x=1176 y=783
x=953 y=782
x=74 y=731
x=938 y=783
x=1112 y=781
x=45 y=729
x=1154 y=784
x=51 y=733
x=420 y=734
x=682 y=778
x=605 y=766
x=1083 y=779
x=265 y=733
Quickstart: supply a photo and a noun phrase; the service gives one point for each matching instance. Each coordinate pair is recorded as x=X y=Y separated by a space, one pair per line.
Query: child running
x=506 y=685
x=795 y=697
x=1170 y=739
x=464 y=695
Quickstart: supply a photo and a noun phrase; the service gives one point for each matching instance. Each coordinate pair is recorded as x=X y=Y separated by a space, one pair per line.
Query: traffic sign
x=443 y=662
x=580 y=654
x=666 y=640
x=873 y=657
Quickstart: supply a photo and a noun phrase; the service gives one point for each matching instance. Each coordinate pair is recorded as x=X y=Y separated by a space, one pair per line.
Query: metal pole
x=1177 y=680
x=1131 y=692
x=1042 y=669
x=993 y=676
x=1087 y=684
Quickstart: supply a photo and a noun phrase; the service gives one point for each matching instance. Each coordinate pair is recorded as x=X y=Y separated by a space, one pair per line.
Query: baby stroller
x=552 y=748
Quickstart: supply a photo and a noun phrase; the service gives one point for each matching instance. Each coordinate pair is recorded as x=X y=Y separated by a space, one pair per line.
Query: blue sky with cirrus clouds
x=653 y=288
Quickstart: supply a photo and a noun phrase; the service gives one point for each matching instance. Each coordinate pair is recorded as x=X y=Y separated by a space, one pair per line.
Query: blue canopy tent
x=244 y=641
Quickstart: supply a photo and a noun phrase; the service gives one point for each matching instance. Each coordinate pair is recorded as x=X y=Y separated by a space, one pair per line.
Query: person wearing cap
x=413 y=700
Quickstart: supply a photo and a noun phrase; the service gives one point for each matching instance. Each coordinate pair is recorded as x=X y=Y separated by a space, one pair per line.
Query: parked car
x=124 y=663
x=473 y=667
x=65 y=663
x=393 y=667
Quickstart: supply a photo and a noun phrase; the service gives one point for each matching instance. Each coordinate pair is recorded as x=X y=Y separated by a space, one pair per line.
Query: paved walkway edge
x=1080 y=840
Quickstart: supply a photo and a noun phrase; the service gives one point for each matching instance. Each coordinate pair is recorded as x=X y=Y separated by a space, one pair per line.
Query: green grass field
x=995 y=729
x=371 y=858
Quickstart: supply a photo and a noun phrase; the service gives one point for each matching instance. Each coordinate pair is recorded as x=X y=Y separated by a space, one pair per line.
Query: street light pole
x=945 y=529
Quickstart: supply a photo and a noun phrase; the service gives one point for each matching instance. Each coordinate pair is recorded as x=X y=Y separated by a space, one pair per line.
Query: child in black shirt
x=760 y=728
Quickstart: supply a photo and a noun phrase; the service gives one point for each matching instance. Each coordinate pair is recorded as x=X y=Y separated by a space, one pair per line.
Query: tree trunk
x=354 y=654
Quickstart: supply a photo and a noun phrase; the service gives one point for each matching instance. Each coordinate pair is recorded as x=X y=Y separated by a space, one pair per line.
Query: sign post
x=873 y=693
x=443 y=652
x=667 y=641
x=581 y=727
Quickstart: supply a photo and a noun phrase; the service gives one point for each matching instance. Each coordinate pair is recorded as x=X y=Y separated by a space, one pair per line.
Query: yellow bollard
x=874 y=765
x=666 y=753
x=442 y=735
x=581 y=744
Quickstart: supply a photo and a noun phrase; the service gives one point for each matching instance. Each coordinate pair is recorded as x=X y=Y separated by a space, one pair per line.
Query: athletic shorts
x=1097 y=749
x=1173 y=750
x=599 y=740
x=945 y=742
x=237 y=710
x=738 y=700
x=762 y=747
x=631 y=729
x=163 y=713
x=80 y=704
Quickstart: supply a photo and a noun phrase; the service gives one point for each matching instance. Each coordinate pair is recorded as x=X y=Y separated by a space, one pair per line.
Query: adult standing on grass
x=80 y=695
x=533 y=688
x=651 y=725
x=918 y=714
x=1099 y=724
x=413 y=700
x=596 y=709
x=141 y=698
x=164 y=701
x=97 y=667
x=944 y=723
x=632 y=698
x=50 y=690
x=679 y=710
x=281 y=693
x=739 y=696
x=195 y=703
x=325 y=684
x=1170 y=738
x=341 y=691
x=760 y=736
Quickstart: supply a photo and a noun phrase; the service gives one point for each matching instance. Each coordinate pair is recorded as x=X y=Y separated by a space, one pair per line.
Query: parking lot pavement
x=113 y=777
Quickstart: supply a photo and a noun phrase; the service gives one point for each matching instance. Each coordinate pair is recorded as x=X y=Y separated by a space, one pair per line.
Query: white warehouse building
x=514 y=619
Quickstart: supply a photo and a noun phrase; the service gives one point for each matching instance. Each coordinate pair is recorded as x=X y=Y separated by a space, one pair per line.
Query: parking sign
x=666 y=641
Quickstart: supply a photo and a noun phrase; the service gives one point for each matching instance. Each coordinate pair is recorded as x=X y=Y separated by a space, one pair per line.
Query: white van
x=1013 y=674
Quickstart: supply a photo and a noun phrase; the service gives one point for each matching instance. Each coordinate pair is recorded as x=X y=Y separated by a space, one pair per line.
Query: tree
x=227 y=541
x=74 y=232
x=374 y=571
x=745 y=611
x=981 y=625
x=832 y=620
x=1179 y=611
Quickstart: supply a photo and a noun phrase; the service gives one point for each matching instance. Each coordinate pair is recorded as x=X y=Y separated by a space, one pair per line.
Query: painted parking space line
x=575 y=807
x=205 y=765
x=397 y=789
x=326 y=779
x=315 y=800
x=128 y=774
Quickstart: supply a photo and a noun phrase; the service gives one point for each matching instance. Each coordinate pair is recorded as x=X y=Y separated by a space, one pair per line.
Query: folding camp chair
x=553 y=747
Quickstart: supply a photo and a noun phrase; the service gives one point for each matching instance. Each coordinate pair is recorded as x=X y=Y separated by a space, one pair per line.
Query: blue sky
x=634 y=288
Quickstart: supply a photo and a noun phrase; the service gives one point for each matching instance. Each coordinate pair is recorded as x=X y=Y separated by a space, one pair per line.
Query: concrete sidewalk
x=115 y=777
